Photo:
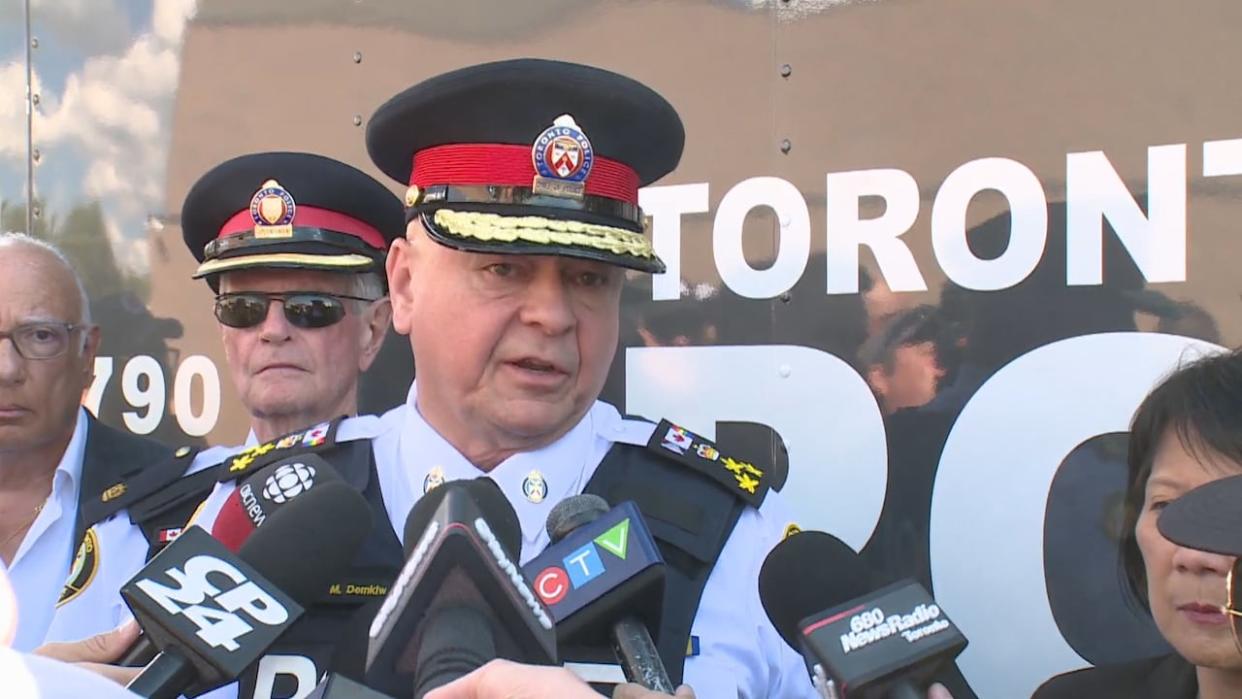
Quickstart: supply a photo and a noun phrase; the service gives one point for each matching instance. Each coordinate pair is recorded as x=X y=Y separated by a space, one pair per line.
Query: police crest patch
x=85 y=565
x=562 y=156
x=272 y=210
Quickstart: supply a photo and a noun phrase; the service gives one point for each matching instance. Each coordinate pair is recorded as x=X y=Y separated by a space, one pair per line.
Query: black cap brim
x=1208 y=518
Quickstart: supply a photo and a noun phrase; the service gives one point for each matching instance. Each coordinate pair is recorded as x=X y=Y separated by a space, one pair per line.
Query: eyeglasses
x=42 y=340
x=1233 y=586
x=303 y=309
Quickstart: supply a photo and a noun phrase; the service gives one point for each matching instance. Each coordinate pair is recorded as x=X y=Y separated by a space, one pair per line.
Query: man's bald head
x=19 y=248
x=44 y=308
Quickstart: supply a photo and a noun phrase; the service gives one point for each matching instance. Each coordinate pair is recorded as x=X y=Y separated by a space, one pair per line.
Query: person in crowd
x=1184 y=435
x=302 y=311
x=55 y=457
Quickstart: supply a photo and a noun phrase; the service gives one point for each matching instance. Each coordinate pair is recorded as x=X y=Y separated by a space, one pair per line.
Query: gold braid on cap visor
x=543 y=231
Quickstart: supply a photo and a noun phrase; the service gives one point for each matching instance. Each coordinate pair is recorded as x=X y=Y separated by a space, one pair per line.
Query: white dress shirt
x=39 y=568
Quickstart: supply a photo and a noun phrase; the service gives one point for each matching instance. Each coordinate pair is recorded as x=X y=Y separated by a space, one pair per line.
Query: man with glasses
x=293 y=244
x=55 y=457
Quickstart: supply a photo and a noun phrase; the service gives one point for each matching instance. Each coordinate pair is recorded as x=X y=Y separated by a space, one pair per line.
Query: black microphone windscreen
x=573 y=512
x=496 y=510
x=806 y=574
x=498 y=513
x=300 y=548
x=420 y=515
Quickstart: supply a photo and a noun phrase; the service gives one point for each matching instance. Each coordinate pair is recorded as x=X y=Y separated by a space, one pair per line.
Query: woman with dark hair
x=1187 y=432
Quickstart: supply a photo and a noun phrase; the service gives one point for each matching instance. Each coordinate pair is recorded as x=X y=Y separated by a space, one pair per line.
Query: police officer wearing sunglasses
x=293 y=244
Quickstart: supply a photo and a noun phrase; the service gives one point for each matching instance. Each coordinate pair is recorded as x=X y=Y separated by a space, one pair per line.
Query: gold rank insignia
x=313 y=438
x=114 y=492
x=741 y=477
x=791 y=529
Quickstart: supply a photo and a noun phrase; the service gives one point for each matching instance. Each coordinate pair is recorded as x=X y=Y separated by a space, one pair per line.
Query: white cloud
x=13 y=110
x=114 y=114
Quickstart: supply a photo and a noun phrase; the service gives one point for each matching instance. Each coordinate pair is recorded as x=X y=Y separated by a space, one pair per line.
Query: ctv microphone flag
x=610 y=564
x=606 y=579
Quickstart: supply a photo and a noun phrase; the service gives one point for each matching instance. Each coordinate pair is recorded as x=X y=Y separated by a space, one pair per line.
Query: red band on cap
x=510 y=166
x=312 y=217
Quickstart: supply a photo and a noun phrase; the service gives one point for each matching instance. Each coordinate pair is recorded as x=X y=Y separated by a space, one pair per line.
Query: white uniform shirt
x=42 y=561
x=119 y=552
x=35 y=677
x=741 y=654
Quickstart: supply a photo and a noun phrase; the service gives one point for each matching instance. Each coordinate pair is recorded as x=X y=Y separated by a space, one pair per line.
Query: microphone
x=248 y=506
x=460 y=600
x=603 y=579
x=213 y=613
x=266 y=491
x=868 y=644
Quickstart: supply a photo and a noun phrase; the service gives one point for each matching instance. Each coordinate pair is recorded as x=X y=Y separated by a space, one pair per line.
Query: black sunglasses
x=303 y=309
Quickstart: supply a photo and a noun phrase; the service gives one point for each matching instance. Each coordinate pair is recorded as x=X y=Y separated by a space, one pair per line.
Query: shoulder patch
x=314 y=439
x=142 y=483
x=85 y=565
x=741 y=478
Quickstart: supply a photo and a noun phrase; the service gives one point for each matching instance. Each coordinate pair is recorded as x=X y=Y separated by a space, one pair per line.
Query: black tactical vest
x=689 y=508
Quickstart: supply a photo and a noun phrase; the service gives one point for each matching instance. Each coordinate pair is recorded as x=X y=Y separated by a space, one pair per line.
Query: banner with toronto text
x=925 y=257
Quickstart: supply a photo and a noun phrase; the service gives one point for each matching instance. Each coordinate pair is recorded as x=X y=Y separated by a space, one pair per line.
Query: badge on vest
x=700 y=454
x=434 y=479
x=534 y=487
x=85 y=565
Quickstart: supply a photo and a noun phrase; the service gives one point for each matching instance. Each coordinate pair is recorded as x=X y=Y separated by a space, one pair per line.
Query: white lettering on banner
x=143 y=386
x=847 y=230
x=301 y=669
x=196 y=424
x=149 y=399
x=1222 y=158
x=665 y=206
x=1028 y=224
x=94 y=395
x=991 y=491
x=818 y=404
x=217 y=625
x=794 y=232
x=1094 y=192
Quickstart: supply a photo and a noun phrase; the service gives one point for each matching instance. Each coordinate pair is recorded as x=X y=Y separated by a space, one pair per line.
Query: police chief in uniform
x=294 y=246
x=522 y=220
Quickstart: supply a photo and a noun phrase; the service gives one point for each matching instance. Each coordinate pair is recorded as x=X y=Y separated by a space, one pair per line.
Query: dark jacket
x=108 y=457
x=1165 y=677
